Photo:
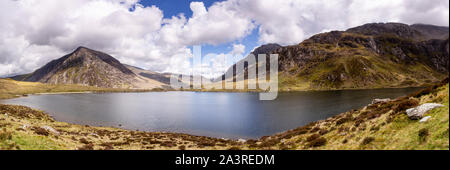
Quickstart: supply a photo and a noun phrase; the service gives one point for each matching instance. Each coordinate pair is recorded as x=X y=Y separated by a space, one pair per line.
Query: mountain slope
x=160 y=77
x=417 y=32
x=365 y=57
x=264 y=49
x=375 y=55
x=91 y=68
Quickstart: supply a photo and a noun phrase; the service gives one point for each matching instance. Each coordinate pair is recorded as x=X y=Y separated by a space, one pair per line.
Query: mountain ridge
x=374 y=55
x=417 y=32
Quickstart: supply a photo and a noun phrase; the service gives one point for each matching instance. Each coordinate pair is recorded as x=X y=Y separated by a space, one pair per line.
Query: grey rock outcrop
x=51 y=130
x=419 y=111
x=374 y=101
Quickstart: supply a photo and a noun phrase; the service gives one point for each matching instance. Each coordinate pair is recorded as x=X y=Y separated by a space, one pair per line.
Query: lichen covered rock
x=419 y=111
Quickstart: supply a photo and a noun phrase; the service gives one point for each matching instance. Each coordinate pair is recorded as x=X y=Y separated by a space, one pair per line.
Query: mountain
x=264 y=49
x=91 y=68
x=376 y=55
x=431 y=31
x=160 y=77
x=418 y=32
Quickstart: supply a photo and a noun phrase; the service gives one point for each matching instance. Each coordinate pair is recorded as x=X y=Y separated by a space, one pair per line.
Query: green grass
x=13 y=139
x=406 y=134
x=403 y=133
x=292 y=83
x=31 y=142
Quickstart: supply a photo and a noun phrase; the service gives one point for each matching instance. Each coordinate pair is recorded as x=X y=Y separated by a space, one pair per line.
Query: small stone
x=418 y=112
x=424 y=119
x=242 y=140
x=25 y=126
x=374 y=101
x=51 y=130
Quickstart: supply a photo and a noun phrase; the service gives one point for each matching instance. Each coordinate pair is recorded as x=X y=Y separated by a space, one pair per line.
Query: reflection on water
x=227 y=115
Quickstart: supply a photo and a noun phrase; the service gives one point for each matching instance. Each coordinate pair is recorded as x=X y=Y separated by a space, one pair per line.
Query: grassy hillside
x=342 y=60
x=11 y=88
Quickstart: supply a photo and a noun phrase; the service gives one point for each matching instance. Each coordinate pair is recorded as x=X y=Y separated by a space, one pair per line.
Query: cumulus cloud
x=33 y=32
x=238 y=49
x=218 y=24
x=215 y=65
x=291 y=21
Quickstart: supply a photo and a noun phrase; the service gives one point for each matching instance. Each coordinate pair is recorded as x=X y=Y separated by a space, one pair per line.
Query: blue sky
x=175 y=7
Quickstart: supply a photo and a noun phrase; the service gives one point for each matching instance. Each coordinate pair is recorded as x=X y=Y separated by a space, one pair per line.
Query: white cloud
x=219 y=24
x=238 y=49
x=216 y=64
x=33 y=32
x=198 y=9
x=291 y=21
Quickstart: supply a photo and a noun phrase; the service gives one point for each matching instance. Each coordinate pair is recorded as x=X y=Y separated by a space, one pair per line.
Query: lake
x=215 y=114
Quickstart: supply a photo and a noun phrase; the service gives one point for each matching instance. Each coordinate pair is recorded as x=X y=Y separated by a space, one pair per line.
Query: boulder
x=418 y=112
x=51 y=130
x=374 y=101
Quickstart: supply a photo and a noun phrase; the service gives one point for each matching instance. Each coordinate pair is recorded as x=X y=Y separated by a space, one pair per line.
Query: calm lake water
x=215 y=114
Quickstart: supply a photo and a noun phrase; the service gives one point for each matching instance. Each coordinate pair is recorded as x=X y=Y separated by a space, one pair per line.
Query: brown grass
x=87 y=147
x=423 y=134
x=317 y=142
x=5 y=135
x=312 y=137
x=40 y=131
x=367 y=140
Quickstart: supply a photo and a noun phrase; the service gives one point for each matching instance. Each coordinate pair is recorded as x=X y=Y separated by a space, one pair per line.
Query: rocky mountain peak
x=420 y=32
x=84 y=53
x=82 y=48
x=86 y=67
x=266 y=48
x=397 y=29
